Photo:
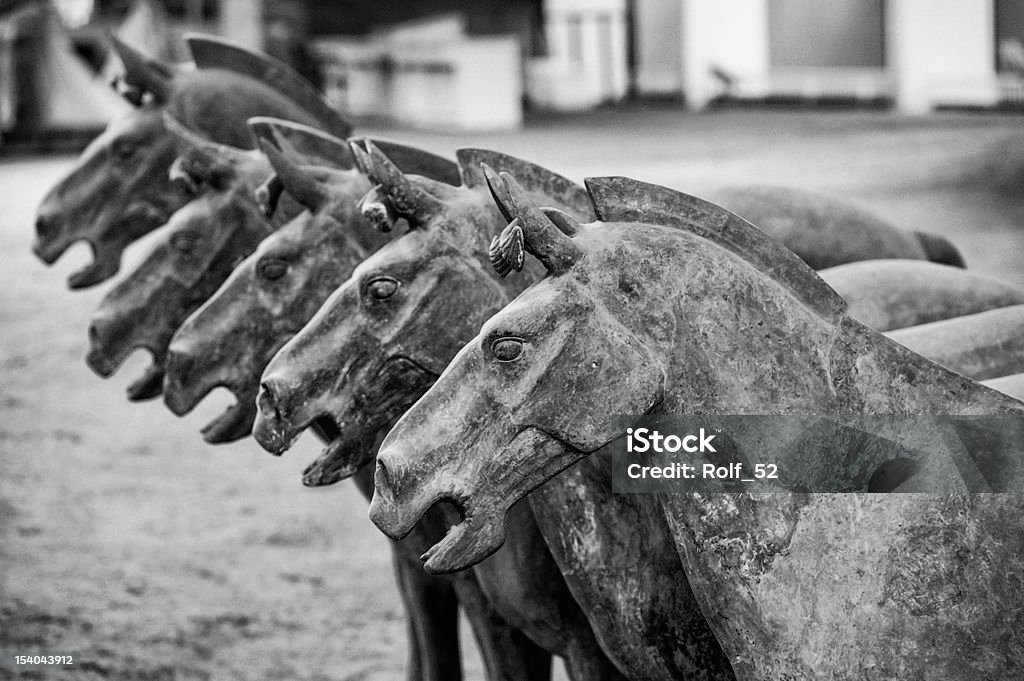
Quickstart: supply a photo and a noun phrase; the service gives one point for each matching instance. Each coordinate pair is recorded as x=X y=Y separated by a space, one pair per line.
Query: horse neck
x=751 y=348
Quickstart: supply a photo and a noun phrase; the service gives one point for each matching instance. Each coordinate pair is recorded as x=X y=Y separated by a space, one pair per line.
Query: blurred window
x=75 y=13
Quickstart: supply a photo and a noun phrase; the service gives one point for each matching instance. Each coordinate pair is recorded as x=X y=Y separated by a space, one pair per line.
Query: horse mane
x=419 y=162
x=536 y=179
x=210 y=52
x=621 y=199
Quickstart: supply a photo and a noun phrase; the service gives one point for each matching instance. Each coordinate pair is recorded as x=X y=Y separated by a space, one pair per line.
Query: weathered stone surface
x=119 y=189
x=894 y=294
x=826 y=232
x=385 y=336
x=275 y=291
x=703 y=315
x=982 y=345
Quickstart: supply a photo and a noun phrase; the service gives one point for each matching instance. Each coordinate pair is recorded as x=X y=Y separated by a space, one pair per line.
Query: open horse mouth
x=348 y=449
x=51 y=251
x=395 y=386
x=477 y=534
x=100 y=267
x=105 y=364
x=235 y=423
x=403 y=494
x=182 y=394
x=149 y=384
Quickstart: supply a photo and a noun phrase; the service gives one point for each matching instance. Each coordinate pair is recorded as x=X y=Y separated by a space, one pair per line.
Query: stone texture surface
x=894 y=294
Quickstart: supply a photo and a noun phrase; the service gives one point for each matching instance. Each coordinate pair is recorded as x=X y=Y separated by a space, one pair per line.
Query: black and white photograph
x=512 y=340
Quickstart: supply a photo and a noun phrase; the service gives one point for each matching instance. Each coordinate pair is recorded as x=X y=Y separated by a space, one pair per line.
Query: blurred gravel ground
x=128 y=541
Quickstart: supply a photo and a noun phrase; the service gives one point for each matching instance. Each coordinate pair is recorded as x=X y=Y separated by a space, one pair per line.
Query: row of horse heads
x=460 y=333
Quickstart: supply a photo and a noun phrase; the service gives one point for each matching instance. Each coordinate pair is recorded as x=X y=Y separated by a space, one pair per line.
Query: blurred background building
x=456 y=64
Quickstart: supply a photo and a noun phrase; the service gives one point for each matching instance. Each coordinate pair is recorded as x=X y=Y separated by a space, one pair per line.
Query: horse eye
x=382 y=287
x=507 y=349
x=272 y=269
x=185 y=243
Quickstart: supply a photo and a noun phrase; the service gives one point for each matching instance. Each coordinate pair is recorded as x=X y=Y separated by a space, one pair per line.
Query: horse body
x=983 y=345
x=636 y=319
x=895 y=294
x=826 y=232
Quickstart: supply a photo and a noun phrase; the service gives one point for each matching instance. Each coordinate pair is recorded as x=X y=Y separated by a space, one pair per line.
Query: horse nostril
x=267 y=400
x=95 y=334
x=44 y=225
x=383 y=480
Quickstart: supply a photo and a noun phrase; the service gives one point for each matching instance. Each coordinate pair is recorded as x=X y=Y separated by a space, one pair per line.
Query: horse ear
x=547 y=186
x=303 y=185
x=363 y=162
x=143 y=72
x=566 y=223
x=530 y=230
x=316 y=147
x=407 y=199
x=200 y=160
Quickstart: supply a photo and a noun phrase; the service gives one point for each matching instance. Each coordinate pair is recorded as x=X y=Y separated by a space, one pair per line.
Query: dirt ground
x=150 y=555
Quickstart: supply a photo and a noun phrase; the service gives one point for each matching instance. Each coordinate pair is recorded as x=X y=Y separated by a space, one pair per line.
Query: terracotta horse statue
x=196 y=251
x=670 y=305
x=386 y=334
x=826 y=231
x=119 y=189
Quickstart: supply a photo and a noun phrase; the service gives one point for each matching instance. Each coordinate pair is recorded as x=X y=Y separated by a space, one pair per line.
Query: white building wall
x=941 y=52
x=837 y=33
x=729 y=34
x=658 y=33
x=242 y=22
x=587 y=61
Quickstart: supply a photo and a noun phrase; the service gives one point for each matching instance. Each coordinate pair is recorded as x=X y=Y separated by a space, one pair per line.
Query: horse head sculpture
x=275 y=291
x=385 y=335
x=119 y=189
x=670 y=305
x=201 y=244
